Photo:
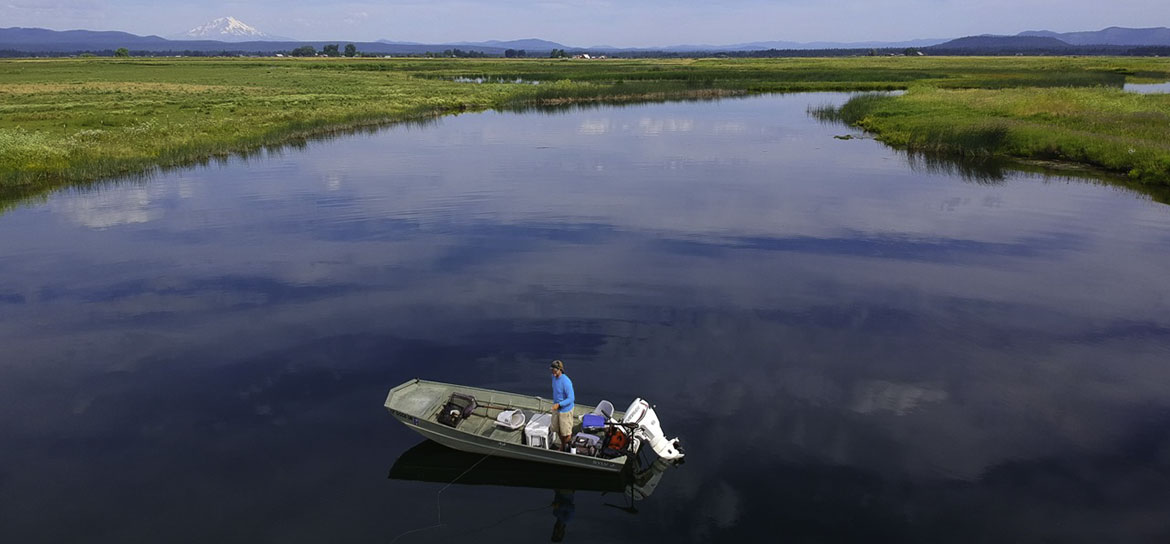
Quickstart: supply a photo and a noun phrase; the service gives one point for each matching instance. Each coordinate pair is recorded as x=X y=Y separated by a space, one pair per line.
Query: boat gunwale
x=578 y=408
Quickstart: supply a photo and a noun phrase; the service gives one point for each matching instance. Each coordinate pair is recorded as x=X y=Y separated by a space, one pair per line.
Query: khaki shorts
x=562 y=420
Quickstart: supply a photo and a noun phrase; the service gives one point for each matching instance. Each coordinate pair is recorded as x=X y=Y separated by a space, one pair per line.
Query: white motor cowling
x=649 y=430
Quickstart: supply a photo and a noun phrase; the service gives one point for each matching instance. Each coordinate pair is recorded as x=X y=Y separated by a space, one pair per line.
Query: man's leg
x=565 y=429
x=554 y=429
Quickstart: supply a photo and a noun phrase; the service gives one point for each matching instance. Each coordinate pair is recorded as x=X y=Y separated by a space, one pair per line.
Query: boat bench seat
x=489 y=429
x=420 y=402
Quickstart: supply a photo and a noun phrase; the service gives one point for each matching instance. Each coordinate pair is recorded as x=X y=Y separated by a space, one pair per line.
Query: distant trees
x=557 y=54
x=122 y=52
x=463 y=54
x=350 y=50
x=514 y=53
x=304 y=51
x=331 y=50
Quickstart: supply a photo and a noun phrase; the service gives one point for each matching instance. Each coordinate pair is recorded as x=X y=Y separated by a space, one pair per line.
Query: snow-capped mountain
x=227 y=29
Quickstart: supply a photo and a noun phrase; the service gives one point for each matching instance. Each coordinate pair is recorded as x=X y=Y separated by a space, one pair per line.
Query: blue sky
x=592 y=22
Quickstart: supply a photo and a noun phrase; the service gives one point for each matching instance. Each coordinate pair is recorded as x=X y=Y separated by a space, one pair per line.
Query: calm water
x=851 y=344
x=1148 y=88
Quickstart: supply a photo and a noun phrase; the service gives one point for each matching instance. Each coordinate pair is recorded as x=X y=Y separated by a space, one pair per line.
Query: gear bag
x=587 y=444
x=616 y=443
x=457 y=409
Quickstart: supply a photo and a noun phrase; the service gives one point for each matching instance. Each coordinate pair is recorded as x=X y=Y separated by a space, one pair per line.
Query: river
x=852 y=343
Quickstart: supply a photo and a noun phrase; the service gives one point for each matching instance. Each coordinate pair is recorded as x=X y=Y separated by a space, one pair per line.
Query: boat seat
x=511 y=420
x=604 y=409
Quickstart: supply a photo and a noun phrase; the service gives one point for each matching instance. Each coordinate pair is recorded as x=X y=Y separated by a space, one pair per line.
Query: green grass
x=73 y=121
x=1106 y=128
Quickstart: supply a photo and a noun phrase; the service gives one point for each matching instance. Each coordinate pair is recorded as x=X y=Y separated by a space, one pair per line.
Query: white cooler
x=536 y=431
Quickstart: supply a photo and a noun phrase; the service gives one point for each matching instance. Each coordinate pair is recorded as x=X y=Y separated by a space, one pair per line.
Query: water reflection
x=977 y=170
x=983 y=171
x=995 y=171
x=563 y=509
x=431 y=462
x=486 y=79
x=14 y=196
x=1148 y=88
x=837 y=335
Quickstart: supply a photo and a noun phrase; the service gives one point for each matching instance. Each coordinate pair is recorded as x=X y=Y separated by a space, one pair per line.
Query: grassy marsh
x=1107 y=128
x=73 y=121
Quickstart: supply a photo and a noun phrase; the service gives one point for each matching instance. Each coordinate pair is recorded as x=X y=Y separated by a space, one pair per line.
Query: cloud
x=105 y=209
x=356 y=18
x=898 y=398
x=654 y=127
x=594 y=126
x=61 y=14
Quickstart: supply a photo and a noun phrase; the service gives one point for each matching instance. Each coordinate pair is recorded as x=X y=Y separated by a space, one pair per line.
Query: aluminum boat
x=422 y=406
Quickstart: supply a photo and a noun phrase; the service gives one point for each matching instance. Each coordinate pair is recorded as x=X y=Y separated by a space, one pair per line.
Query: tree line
x=350 y=50
x=328 y=50
x=459 y=53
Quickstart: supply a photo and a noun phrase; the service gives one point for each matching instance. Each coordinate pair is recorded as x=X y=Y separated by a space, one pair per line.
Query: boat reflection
x=430 y=461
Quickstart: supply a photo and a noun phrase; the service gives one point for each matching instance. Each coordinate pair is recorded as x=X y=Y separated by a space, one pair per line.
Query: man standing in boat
x=562 y=423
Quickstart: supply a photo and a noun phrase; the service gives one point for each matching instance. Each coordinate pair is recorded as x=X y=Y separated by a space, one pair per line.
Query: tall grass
x=852 y=111
x=1102 y=127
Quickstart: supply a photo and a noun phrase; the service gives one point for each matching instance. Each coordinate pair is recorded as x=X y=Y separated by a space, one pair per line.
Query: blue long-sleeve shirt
x=563 y=392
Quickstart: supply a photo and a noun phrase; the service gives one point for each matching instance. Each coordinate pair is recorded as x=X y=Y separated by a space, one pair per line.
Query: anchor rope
x=439 y=496
x=439 y=503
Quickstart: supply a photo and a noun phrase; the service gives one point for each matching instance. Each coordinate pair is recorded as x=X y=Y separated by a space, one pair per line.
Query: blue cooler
x=592 y=423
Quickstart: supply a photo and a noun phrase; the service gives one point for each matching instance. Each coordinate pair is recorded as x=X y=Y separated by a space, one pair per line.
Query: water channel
x=852 y=343
x=1148 y=88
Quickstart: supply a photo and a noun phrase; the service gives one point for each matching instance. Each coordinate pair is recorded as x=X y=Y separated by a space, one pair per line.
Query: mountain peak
x=228 y=29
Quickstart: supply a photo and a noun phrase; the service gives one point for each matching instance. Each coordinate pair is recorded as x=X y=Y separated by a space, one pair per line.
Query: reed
x=1102 y=127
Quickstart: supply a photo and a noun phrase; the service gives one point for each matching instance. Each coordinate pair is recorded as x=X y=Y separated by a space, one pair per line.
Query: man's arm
x=568 y=392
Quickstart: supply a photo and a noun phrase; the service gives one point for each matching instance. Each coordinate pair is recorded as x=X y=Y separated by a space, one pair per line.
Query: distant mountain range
x=1005 y=42
x=42 y=41
x=1113 y=35
x=761 y=46
x=39 y=40
x=1044 y=41
x=231 y=35
x=1159 y=36
x=530 y=44
x=535 y=44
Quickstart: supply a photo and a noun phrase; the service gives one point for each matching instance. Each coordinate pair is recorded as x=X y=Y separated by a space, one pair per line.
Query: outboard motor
x=649 y=430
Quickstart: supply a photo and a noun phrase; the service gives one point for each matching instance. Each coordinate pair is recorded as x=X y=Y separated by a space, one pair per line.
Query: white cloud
x=104 y=209
x=652 y=126
x=594 y=126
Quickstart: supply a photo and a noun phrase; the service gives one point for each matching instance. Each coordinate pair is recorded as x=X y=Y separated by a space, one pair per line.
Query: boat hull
x=505 y=449
x=404 y=404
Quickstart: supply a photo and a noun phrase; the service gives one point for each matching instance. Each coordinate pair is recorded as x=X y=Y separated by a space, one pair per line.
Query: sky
x=632 y=23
